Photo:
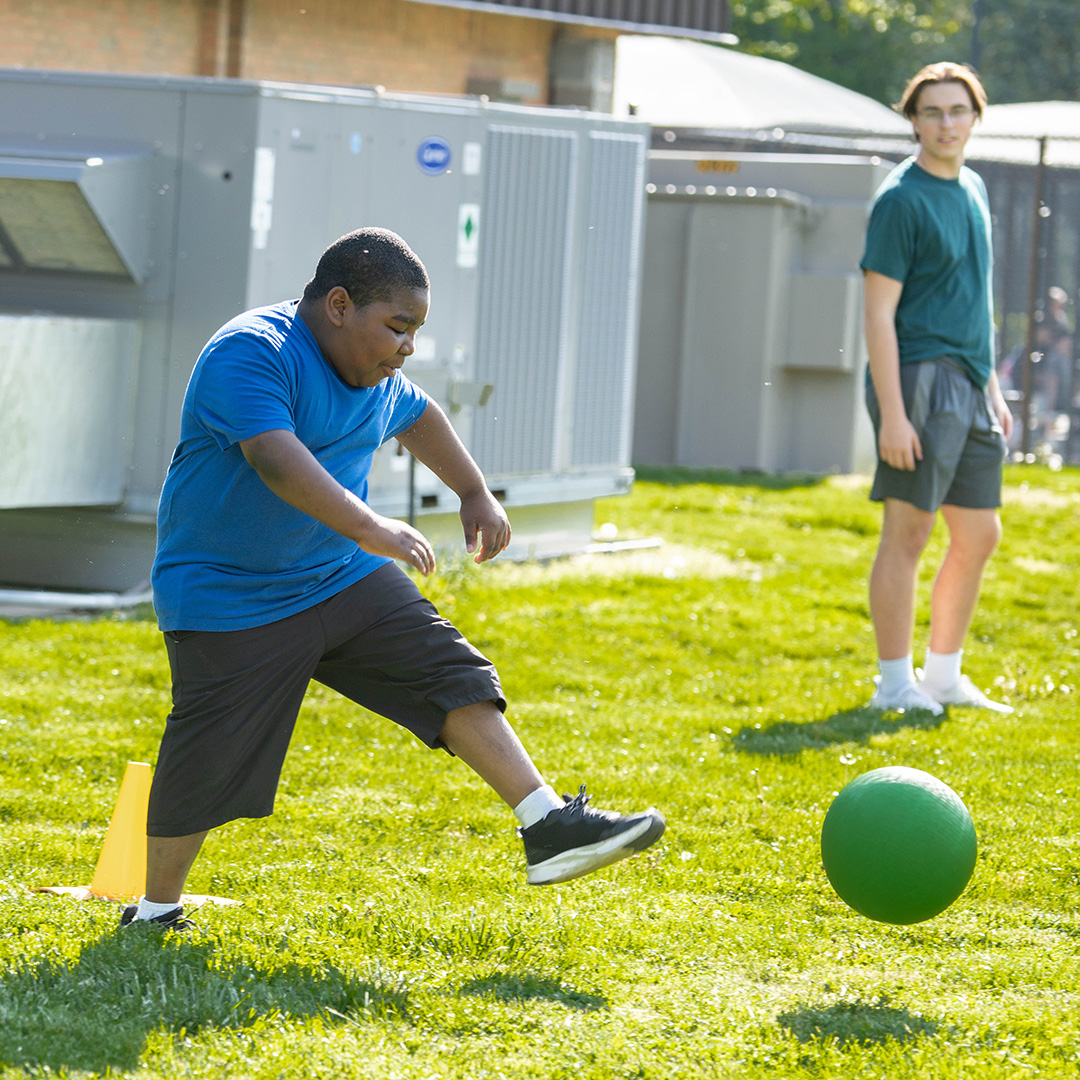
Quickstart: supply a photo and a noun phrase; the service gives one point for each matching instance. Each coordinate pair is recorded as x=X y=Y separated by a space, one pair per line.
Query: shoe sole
x=577 y=862
x=989 y=706
x=984 y=703
x=893 y=707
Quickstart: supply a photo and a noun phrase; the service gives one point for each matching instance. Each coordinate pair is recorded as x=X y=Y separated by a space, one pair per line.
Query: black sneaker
x=577 y=839
x=169 y=920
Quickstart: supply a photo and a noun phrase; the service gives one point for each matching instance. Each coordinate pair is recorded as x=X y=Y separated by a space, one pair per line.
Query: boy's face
x=943 y=121
x=372 y=342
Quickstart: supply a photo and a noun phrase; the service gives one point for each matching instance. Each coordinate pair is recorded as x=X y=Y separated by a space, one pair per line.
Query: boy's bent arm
x=433 y=441
x=898 y=441
x=291 y=471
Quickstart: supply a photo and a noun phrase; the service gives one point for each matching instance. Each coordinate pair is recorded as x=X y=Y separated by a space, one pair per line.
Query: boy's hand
x=898 y=443
x=399 y=540
x=481 y=515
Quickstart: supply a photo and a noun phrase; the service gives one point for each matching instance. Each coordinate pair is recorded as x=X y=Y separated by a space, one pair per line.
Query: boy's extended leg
x=482 y=737
x=563 y=839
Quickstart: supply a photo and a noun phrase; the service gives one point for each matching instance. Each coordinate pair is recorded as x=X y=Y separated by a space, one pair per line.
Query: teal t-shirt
x=933 y=235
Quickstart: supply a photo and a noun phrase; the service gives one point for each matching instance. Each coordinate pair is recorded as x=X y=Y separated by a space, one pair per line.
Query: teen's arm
x=898 y=442
x=433 y=441
x=1001 y=406
x=290 y=471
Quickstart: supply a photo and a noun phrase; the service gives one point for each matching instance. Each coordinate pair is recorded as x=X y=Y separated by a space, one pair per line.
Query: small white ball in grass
x=607 y=532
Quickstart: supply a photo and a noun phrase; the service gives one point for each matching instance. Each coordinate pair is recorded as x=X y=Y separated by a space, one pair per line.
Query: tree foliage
x=1027 y=49
x=1024 y=50
x=872 y=46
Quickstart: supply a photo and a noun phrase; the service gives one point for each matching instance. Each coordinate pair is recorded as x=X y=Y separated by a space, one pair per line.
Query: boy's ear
x=337 y=302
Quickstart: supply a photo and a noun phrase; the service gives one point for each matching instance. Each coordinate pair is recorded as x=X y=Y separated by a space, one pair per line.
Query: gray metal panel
x=524 y=277
x=66 y=389
x=822 y=321
x=660 y=333
x=738 y=259
x=606 y=346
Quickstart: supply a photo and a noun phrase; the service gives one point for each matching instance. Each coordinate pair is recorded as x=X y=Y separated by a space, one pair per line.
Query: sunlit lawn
x=386 y=930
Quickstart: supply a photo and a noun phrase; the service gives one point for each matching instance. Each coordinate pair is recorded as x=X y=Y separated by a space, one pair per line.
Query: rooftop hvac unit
x=139 y=214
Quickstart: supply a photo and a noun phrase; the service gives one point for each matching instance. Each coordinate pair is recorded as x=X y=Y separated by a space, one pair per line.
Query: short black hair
x=370 y=265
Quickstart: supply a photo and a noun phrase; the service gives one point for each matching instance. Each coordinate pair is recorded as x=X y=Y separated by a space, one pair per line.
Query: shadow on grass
x=861 y=1022
x=786 y=737
x=94 y=1013
x=507 y=986
x=674 y=475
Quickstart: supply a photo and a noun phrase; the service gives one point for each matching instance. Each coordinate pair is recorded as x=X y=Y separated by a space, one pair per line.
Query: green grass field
x=386 y=930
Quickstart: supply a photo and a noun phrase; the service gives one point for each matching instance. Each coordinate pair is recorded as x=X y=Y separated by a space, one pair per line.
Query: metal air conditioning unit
x=138 y=214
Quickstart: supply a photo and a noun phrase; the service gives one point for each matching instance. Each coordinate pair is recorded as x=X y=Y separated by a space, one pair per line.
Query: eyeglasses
x=957 y=114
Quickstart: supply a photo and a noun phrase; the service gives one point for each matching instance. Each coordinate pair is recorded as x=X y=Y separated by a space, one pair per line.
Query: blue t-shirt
x=933 y=235
x=230 y=553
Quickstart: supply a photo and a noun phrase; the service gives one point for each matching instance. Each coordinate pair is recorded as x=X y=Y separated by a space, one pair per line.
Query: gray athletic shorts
x=237 y=693
x=962 y=443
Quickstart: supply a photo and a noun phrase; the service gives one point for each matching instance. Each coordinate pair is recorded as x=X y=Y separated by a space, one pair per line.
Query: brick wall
x=392 y=43
x=151 y=36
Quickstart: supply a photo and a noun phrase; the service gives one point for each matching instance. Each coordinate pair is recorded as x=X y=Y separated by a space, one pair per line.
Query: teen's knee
x=905 y=528
x=973 y=533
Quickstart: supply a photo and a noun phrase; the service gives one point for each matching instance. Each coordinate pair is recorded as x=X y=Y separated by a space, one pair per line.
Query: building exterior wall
x=401 y=46
x=122 y=36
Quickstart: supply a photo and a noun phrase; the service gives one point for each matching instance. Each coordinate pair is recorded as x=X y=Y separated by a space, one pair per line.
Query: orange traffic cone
x=121 y=866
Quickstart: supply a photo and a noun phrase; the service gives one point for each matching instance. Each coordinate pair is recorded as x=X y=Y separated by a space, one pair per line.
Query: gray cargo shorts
x=962 y=443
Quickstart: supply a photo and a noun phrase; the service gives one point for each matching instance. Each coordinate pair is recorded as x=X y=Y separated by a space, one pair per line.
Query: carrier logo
x=433 y=155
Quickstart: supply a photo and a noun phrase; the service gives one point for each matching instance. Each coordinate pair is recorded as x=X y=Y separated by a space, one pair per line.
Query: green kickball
x=898 y=845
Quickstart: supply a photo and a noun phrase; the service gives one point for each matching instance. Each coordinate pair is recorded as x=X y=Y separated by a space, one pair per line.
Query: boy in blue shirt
x=271 y=570
x=933 y=395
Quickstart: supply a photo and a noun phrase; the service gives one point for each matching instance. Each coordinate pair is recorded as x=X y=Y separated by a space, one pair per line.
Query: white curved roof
x=679 y=83
x=1012 y=133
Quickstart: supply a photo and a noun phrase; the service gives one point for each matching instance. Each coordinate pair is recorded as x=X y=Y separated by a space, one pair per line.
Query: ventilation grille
x=603 y=393
x=524 y=255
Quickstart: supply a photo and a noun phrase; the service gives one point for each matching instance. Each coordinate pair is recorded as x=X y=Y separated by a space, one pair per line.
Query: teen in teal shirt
x=938 y=413
x=933 y=235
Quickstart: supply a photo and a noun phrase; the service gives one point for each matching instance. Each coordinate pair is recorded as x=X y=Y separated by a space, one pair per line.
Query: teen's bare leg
x=481 y=736
x=973 y=536
x=904 y=532
x=168 y=860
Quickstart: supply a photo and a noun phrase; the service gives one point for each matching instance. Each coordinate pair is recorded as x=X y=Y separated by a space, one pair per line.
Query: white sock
x=942 y=670
x=148 y=909
x=537 y=805
x=896 y=674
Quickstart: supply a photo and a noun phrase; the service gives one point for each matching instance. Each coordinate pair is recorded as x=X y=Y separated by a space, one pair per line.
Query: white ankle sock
x=537 y=805
x=896 y=674
x=148 y=909
x=942 y=670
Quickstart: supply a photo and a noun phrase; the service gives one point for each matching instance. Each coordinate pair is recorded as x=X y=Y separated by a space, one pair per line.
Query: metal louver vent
x=524 y=269
x=605 y=351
